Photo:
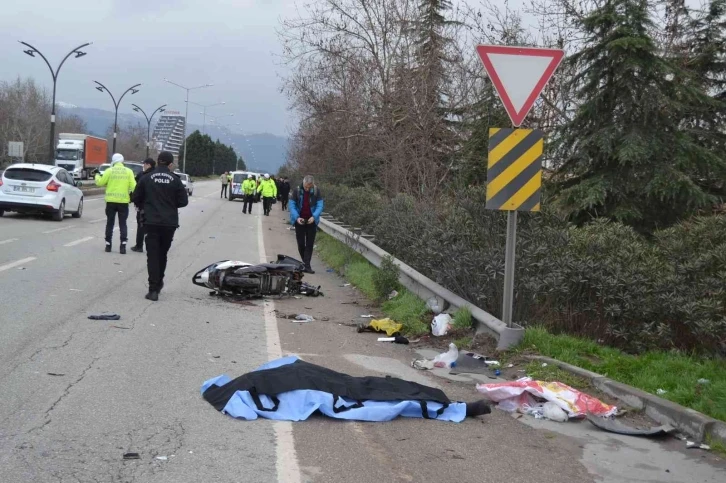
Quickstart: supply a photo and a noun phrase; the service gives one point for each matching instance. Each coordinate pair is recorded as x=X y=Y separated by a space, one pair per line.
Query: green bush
x=385 y=279
x=463 y=319
x=603 y=281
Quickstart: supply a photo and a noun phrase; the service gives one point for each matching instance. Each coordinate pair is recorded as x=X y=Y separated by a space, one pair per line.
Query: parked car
x=187 y=181
x=103 y=168
x=40 y=188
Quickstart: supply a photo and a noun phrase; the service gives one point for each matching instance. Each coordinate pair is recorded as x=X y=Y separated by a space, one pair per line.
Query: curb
x=696 y=425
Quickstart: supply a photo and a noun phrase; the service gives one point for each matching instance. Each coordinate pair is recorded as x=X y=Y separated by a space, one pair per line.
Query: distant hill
x=262 y=152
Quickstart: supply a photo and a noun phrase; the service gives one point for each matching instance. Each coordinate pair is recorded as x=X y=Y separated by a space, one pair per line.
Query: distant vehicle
x=235 y=188
x=40 y=188
x=80 y=154
x=187 y=181
x=135 y=167
x=103 y=167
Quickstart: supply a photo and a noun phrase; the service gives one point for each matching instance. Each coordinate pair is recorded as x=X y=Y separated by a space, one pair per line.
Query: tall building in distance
x=169 y=132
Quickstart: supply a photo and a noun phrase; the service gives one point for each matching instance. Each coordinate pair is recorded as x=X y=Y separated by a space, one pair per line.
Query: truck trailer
x=80 y=154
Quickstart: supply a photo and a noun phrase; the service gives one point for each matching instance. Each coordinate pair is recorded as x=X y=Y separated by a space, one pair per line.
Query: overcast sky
x=229 y=43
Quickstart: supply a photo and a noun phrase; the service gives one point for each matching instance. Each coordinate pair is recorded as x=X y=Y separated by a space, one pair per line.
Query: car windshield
x=27 y=174
x=238 y=178
x=67 y=154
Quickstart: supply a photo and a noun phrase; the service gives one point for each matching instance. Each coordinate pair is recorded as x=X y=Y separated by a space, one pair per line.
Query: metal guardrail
x=422 y=286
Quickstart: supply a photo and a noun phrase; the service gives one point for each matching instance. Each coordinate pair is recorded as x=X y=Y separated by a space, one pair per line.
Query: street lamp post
x=214 y=119
x=148 y=122
x=31 y=52
x=204 y=113
x=102 y=88
x=186 y=116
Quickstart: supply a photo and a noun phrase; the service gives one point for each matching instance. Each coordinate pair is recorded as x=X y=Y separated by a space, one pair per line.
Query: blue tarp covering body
x=299 y=405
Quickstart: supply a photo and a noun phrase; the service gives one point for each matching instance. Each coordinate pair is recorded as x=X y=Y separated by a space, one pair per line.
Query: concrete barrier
x=422 y=286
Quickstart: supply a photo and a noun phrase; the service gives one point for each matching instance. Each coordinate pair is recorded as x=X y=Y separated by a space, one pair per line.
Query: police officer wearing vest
x=248 y=193
x=120 y=183
x=161 y=193
x=268 y=189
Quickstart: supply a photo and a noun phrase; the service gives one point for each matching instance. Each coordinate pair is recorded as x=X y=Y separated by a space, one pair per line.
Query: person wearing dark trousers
x=225 y=182
x=248 y=193
x=306 y=206
x=284 y=193
x=149 y=165
x=268 y=190
x=120 y=183
x=161 y=193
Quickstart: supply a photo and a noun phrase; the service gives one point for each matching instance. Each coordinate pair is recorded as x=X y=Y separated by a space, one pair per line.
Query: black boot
x=153 y=296
x=477 y=409
x=123 y=249
x=108 y=248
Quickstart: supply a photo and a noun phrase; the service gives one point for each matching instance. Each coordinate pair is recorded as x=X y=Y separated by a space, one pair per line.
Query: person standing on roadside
x=225 y=182
x=284 y=193
x=161 y=193
x=268 y=189
x=149 y=165
x=306 y=206
x=248 y=193
x=120 y=183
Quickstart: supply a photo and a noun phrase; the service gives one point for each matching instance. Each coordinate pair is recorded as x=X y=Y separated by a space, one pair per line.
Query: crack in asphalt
x=66 y=392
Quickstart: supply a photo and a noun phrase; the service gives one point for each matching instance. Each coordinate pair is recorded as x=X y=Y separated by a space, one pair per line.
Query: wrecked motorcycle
x=282 y=277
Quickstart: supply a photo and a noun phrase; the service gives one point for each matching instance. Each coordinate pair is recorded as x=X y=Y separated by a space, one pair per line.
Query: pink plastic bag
x=517 y=395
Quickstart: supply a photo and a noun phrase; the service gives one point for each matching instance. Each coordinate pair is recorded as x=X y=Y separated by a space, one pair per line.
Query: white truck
x=80 y=154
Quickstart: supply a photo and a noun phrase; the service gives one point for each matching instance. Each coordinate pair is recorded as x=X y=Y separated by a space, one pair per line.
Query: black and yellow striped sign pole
x=514 y=182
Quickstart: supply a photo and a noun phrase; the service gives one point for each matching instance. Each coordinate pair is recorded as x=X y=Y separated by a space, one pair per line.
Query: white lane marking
x=16 y=264
x=288 y=468
x=10 y=240
x=210 y=194
x=88 y=200
x=78 y=242
x=97 y=221
x=59 y=229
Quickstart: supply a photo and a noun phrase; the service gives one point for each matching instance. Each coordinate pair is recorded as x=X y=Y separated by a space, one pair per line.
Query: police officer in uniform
x=160 y=193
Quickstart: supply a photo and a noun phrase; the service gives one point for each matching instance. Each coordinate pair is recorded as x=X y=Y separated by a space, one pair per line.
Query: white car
x=187 y=181
x=40 y=188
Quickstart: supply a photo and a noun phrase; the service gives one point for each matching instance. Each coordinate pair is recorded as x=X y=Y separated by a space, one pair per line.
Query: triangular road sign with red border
x=519 y=74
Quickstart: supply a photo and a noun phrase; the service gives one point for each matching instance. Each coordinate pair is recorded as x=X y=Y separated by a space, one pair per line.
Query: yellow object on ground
x=386 y=325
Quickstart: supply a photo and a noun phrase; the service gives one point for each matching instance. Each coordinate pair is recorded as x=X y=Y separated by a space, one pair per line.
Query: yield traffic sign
x=519 y=74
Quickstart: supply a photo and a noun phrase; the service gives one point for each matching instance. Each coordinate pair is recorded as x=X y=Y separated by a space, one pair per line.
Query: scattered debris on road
x=399 y=339
x=105 y=317
x=441 y=325
x=162 y=458
x=292 y=390
x=303 y=318
x=132 y=456
x=386 y=325
x=694 y=445
x=55 y=374
x=615 y=426
x=524 y=394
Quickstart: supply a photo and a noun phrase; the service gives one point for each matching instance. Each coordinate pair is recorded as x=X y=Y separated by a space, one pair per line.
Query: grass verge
x=406 y=309
x=674 y=372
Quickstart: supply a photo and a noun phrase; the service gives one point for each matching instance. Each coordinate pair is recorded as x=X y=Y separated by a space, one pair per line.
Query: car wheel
x=1 y=213
x=61 y=213
x=79 y=212
x=189 y=193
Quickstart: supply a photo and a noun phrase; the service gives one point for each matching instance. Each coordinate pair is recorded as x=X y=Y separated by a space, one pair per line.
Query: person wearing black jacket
x=161 y=193
x=284 y=192
x=149 y=165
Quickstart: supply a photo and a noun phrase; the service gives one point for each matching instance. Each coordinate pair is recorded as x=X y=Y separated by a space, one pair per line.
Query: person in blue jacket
x=306 y=206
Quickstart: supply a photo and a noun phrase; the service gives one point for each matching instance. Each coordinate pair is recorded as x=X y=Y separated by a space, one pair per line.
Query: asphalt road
x=77 y=394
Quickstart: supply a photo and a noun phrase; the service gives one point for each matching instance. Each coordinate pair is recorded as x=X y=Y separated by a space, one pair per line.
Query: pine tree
x=628 y=154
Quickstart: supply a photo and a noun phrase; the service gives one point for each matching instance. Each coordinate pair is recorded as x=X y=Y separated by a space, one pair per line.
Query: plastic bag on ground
x=441 y=325
x=446 y=359
x=386 y=325
x=521 y=394
x=304 y=318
